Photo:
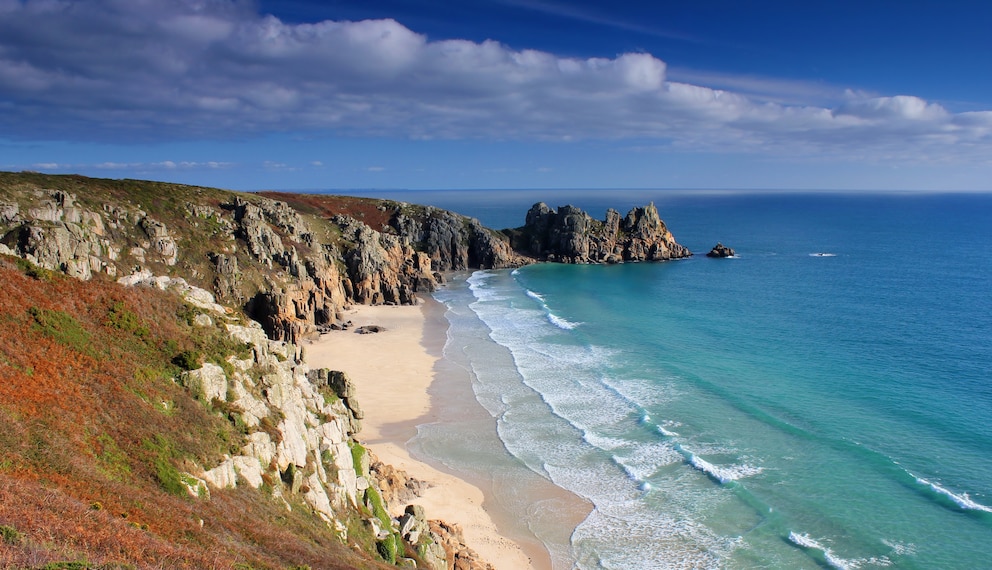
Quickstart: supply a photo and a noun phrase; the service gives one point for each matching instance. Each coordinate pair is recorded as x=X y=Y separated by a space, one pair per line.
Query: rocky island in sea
x=160 y=397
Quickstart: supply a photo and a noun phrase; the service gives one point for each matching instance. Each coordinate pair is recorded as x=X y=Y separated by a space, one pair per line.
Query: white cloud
x=142 y=70
x=900 y=107
x=142 y=166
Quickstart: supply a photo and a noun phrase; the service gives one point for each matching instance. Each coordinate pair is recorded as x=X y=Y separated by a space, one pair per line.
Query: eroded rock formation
x=570 y=235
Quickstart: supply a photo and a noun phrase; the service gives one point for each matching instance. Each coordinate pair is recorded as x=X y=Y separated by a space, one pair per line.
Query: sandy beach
x=393 y=371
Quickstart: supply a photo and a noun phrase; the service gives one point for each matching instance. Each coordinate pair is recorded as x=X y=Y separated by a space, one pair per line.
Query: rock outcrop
x=720 y=250
x=454 y=242
x=294 y=269
x=300 y=429
x=570 y=235
x=460 y=556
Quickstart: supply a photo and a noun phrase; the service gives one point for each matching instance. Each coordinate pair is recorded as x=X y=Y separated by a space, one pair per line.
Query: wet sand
x=393 y=371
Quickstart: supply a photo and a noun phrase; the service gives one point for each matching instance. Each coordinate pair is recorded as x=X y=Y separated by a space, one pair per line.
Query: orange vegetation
x=91 y=422
x=363 y=209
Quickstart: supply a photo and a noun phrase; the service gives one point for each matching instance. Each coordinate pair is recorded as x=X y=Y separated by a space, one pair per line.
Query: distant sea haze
x=823 y=399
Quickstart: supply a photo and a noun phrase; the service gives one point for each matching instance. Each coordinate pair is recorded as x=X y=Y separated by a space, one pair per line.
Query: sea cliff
x=245 y=280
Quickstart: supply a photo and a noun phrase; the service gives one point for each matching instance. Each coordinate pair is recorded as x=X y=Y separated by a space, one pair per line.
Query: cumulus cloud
x=147 y=70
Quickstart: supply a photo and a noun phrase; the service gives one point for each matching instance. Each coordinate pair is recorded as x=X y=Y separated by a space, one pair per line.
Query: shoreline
x=396 y=374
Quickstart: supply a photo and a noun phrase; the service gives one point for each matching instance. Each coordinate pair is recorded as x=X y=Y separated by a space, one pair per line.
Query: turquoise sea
x=824 y=399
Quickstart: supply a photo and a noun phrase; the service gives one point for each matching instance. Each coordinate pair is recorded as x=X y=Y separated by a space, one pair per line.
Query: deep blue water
x=782 y=409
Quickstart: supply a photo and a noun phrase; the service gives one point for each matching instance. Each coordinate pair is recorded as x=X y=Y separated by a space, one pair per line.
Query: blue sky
x=437 y=94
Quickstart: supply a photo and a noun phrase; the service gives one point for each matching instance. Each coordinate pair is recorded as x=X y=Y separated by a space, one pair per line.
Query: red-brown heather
x=368 y=210
x=94 y=431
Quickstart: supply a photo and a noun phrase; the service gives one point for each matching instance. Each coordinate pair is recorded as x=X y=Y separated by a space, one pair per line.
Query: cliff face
x=148 y=424
x=570 y=235
x=292 y=263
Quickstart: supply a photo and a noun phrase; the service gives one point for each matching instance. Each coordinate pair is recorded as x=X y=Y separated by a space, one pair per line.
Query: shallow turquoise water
x=782 y=409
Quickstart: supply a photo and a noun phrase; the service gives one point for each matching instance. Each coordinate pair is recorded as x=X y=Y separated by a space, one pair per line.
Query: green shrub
x=387 y=548
x=33 y=271
x=188 y=360
x=120 y=318
x=187 y=313
x=10 y=535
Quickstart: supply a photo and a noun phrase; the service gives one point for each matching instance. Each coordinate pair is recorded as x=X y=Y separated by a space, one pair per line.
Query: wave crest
x=806 y=542
x=723 y=474
x=960 y=499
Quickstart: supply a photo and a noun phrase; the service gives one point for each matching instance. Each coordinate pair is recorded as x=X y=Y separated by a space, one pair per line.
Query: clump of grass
x=122 y=319
x=62 y=328
x=111 y=459
x=33 y=271
x=270 y=425
x=357 y=453
x=162 y=458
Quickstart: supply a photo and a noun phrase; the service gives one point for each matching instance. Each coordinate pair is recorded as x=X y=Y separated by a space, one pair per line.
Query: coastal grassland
x=96 y=435
x=163 y=198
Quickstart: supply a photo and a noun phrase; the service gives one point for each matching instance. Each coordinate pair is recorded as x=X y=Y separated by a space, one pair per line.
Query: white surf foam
x=561 y=323
x=961 y=499
x=554 y=319
x=900 y=549
x=805 y=541
x=822 y=254
x=723 y=474
x=666 y=433
x=535 y=296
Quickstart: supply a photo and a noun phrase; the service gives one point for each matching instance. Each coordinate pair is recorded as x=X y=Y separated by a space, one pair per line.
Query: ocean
x=822 y=400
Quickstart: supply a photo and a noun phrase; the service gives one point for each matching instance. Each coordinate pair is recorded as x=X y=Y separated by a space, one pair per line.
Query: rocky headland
x=259 y=274
x=569 y=235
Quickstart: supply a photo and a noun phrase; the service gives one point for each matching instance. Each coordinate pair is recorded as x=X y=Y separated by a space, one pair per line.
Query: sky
x=436 y=94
